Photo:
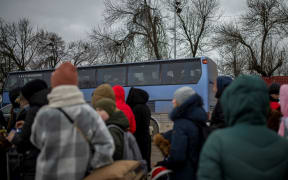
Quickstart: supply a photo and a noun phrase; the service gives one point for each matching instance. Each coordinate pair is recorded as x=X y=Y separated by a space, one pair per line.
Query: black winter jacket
x=217 y=119
x=137 y=99
x=22 y=140
x=186 y=139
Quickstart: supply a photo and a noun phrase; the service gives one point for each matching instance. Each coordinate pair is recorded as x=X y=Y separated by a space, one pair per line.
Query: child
x=107 y=110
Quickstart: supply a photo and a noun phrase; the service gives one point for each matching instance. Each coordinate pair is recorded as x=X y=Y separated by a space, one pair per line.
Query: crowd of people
x=55 y=134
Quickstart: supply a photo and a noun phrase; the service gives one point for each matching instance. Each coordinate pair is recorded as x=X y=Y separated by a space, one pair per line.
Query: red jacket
x=120 y=104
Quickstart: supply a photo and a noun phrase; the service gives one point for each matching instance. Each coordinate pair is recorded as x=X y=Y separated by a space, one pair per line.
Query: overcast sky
x=73 y=19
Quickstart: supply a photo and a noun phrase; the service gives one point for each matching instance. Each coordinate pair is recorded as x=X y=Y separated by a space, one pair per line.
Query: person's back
x=72 y=137
x=137 y=99
x=120 y=103
x=246 y=149
x=186 y=139
x=106 y=108
x=217 y=118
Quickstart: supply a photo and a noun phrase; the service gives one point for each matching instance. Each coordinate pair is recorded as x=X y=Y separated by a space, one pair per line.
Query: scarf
x=65 y=95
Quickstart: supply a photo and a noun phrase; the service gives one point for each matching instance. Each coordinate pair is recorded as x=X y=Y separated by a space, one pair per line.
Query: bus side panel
x=203 y=85
x=88 y=94
x=5 y=98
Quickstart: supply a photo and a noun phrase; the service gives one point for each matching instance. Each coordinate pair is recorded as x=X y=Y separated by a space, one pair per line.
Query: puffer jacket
x=186 y=138
x=119 y=119
x=65 y=151
x=120 y=104
x=246 y=149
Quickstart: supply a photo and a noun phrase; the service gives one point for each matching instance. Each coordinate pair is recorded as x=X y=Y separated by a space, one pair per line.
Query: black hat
x=274 y=88
x=32 y=87
x=13 y=94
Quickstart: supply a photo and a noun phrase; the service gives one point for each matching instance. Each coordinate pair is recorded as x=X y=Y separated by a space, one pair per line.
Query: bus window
x=11 y=83
x=112 y=76
x=29 y=77
x=47 y=77
x=181 y=72
x=143 y=74
x=86 y=78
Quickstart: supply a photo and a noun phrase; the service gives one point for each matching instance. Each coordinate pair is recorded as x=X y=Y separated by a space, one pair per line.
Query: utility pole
x=177 y=10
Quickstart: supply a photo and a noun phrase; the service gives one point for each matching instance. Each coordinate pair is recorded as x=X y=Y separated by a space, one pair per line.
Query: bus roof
x=111 y=65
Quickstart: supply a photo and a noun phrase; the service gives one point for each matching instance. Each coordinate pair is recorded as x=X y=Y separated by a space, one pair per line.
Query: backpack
x=131 y=150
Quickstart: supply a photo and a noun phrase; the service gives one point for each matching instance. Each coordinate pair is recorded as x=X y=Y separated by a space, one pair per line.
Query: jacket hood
x=191 y=109
x=284 y=100
x=39 y=98
x=119 y=93
x=222 y=83
x=246 y=100
x=118 y=118
x=137 y=96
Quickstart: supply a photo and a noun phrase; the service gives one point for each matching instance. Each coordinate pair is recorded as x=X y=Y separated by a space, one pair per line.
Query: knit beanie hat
x=107 y=105
x=103 y=91
x=274 y=88
x=32 y=87
x=182 y=94
x=65 y=74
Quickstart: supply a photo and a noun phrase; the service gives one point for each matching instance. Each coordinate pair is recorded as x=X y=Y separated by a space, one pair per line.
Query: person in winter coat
x=35 y=92
x=283 y=129
x=120 y=103
x=246 y=149
x=107 y=110
x=186 y=138
x=274 y=117
x=106 y=91
x=274 y=89
x=71 y=136
x=15 y=108
x=137 y=99
x=217 y=118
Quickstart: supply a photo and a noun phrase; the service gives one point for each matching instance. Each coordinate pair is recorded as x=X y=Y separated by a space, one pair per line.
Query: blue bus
x=159 y=78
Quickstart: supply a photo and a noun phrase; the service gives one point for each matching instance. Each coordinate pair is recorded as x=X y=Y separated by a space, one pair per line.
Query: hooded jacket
x=120 y=104
x=246 y=149
x=186 y=138
x=217 y=119
x=119 y=119
x=137 y=99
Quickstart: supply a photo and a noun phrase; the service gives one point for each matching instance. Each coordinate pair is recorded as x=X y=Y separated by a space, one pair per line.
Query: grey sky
x=73 y=19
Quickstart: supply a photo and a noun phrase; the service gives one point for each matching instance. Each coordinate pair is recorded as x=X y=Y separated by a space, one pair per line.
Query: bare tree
x=82 y=53
x=195 y=23
x=258 y=31
x=18 y=42
x=114 y=47
x=51 y=50
x=233 y=61
x=141 y=25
